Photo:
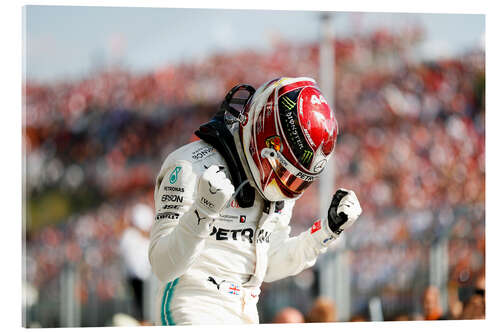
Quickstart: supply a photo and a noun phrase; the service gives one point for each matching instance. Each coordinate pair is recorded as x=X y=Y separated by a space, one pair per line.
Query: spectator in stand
x=322 y=311
x=432 y=304
x=402 y=317
x=288 y=315
x=476 y=305
x=455 y=306
x=358 y=318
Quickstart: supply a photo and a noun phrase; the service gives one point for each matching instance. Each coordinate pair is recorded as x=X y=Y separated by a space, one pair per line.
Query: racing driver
x=223 y=203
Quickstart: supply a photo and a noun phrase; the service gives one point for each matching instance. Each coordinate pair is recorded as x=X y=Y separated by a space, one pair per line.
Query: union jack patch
x=234 y=290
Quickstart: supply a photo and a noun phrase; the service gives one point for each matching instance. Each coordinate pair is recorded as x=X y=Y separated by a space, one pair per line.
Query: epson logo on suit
x=172 y=198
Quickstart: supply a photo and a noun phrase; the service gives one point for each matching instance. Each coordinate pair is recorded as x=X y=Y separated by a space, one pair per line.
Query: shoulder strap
x=216 y=133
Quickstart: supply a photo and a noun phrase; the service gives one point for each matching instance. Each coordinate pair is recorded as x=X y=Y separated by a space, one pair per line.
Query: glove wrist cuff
x=196 y=223
x=204 y=213
x=321 y=232
x=334 y=228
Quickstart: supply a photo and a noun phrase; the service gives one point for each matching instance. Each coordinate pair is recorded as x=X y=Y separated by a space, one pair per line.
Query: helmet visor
x=290 y=177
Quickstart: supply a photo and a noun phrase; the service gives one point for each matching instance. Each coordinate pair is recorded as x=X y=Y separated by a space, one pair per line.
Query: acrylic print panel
x=109 y=93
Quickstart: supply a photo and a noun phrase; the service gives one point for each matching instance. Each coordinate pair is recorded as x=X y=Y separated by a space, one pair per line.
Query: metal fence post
x=69 y=310
x=439 y=269
x=334 y=270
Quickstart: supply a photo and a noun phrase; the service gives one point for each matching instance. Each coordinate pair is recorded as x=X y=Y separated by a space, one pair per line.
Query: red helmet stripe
x=295 y=85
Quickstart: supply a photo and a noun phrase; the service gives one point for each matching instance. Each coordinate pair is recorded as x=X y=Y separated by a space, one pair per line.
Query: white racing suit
x=212 y=273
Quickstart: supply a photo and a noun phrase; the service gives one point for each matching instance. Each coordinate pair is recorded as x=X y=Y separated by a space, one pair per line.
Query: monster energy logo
x=306 y=156
x=291 y=128
x=288 y=103
x=174 y=175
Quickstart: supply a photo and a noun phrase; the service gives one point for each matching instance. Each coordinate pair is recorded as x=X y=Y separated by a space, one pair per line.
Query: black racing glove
x=344 y=210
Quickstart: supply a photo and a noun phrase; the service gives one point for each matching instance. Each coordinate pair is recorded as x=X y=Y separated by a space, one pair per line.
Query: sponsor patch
x=234 y=290
x=198 y=154
x=174 y=189
x=316 y=226
x=318 y=99
x=263 y=236
x=308 y=136
x=237 y=234
x=174 y=175
x=274 y=142
x=206 y=202
x=172 y=198
x=167 y=215
x=228 y=218
x=288 y=103
x=305 y=177
x=291 y=128
x=327 y=239
x=226 y=286
x=172 y=207
x=306 y=156
x=319 y=166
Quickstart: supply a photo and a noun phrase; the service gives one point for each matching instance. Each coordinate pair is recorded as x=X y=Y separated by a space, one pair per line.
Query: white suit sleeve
x=177 y=237
x=291 y=255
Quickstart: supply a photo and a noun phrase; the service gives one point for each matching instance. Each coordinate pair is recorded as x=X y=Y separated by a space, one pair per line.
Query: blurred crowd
x=324 y=310
x=411 y=145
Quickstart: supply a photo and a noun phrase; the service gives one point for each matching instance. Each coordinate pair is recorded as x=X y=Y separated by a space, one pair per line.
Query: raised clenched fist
x=214 y=191
x=344 y=210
